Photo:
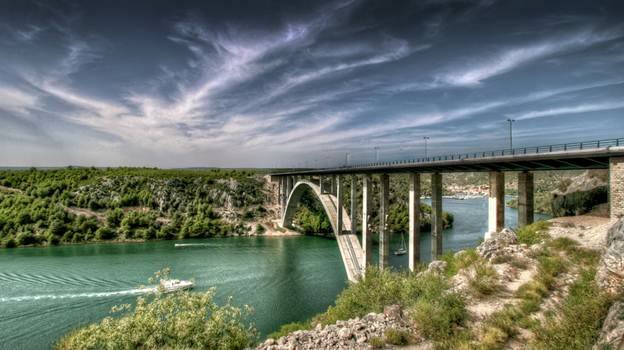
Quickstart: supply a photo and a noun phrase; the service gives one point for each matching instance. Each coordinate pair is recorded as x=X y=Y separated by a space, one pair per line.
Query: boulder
x=612 y=333
x=496 y=241
x=436 y=267
x=581 y=195
x=610 y=275
x=393 y=312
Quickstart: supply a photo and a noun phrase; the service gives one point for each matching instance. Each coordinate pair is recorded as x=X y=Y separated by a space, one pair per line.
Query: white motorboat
x=176 y=285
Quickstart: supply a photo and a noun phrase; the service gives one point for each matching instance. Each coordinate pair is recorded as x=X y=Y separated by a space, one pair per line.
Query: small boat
x=175 y=285
x=403 y=249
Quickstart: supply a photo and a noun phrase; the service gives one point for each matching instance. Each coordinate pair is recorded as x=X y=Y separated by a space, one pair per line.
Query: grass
x=376 y=342
x=396 y=336
x=485 y=279
x=461 y=260
x=533 y=233
x=575 y=324
x=289 y=328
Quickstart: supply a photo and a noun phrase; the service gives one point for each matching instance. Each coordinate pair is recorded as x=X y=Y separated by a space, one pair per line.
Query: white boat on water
x=176 y=285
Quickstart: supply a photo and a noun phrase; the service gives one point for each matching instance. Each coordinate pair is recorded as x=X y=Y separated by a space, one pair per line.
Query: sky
x=302 y=83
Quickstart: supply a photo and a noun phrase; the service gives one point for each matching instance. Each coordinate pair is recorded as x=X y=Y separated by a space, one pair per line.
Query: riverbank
x=539 y=287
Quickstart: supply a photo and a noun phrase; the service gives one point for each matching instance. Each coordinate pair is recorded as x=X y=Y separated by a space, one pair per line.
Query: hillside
x=85 y=204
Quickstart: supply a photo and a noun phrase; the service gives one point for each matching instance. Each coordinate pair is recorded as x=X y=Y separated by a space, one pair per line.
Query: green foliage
x=376 y=342
x=396 y=336
x=180 y=320
x=461 y=260
x=289 y=328
x=533 y=233
x=65 y=205
x=485 y=280
x=576 y=323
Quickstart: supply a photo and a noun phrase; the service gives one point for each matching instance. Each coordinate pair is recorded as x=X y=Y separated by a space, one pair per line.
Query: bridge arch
x=348 y=243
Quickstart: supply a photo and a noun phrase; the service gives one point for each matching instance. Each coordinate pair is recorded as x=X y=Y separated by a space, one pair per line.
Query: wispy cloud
x=475 y=72
x=580 y=108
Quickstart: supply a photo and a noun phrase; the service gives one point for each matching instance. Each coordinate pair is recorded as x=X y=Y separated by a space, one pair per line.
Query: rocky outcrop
x=581 y=195
x=498 y=243
x=610 y=276
x=612 y=333
x=351 y=334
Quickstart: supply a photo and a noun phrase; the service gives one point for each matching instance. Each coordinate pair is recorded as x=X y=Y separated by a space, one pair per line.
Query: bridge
x=328 y=184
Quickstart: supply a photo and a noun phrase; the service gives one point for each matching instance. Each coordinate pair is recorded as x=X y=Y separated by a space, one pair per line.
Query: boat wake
x=135 y=291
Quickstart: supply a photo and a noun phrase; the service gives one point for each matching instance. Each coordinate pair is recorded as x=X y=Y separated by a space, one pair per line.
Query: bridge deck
x=524 y=159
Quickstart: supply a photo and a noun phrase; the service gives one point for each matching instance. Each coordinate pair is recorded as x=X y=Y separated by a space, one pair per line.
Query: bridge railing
x=574 y=146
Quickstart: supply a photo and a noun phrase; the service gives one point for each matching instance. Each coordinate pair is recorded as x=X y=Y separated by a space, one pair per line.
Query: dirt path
x=590 y=231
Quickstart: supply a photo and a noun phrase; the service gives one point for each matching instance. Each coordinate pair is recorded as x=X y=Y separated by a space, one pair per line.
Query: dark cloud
x=275 y=83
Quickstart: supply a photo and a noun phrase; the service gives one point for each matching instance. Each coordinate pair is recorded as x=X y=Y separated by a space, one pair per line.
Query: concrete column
x=384 y=239
x=284 y=193
x=353 y=214
x=616 y=187
x=414 y=221
x=279 y=192
x=321 y=184
x=496 y=202
x=333 y=185
x=367 y=241
x=525 y=198
x=339 y=192
x=289 y=185
x=436 y=215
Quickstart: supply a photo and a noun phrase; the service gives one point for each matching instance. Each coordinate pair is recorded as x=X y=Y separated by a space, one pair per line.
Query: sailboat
x=403 y=249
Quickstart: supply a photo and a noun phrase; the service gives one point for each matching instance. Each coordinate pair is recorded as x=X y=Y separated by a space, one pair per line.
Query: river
x=46 y=292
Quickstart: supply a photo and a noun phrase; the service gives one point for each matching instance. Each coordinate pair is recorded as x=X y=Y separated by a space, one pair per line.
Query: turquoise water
x=45 y=292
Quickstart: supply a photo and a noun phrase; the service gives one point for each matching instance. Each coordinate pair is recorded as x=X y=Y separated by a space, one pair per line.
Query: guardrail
x=574 y=146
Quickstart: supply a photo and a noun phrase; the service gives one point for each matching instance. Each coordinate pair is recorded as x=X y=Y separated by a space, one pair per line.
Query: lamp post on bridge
x=426 y=138
x=510 y=121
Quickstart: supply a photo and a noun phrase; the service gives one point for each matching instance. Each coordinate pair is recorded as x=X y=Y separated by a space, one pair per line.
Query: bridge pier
x=367 y=241
x=339 y=193
x=384 y=239
x=414 y=221
x=436 y=216
x=333 y=185
x=525 y=198
x=616 y=186
x=353 y=214
x=322 y=184
x=496 y=202
x=284 y=193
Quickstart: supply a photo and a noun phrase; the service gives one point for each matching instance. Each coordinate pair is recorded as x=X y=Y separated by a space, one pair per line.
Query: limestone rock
x=393 y=312
x=496 y=242
x=581 y=195
x=612 y=333
x=610 y=274
x=436 y=267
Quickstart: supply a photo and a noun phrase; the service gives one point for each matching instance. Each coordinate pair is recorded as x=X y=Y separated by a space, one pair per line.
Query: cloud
x=507 y=60
x=581 y=108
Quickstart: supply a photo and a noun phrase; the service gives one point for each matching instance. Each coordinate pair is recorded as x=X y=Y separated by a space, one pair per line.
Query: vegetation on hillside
x=440 y=311
x=179 y=320
x=87 y=204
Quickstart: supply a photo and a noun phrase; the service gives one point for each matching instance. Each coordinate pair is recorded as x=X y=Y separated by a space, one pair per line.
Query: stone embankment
x=352 y=334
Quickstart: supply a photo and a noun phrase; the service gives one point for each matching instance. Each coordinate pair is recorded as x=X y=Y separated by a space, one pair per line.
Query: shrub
x=534 y=233
x=289 y=328
x=576 y=323
x=260 y=229
x=376 y=342
x=460 y=260
x=26 y=238
x=104 y=233
x=396 y=336
x=10 y=242
x=439 y=317
x=485 y=279
x=180 y=320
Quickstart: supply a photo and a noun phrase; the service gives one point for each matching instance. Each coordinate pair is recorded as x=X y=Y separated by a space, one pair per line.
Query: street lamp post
x=510 y=121
x=426 y=138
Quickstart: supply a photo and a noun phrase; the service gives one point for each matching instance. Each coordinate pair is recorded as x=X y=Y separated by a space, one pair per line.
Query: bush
x=440 y=317
x=180 y=320
x=534 y=233
x=26 y=238
x=260 y=229
x=10 y=242
x=396 y=336
x=576 y=323
x=376 y=342
x=485 y=279
x=289 y=328
x=104 y=233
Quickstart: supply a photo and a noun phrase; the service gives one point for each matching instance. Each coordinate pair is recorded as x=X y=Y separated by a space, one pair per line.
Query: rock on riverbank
x=352 y=334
